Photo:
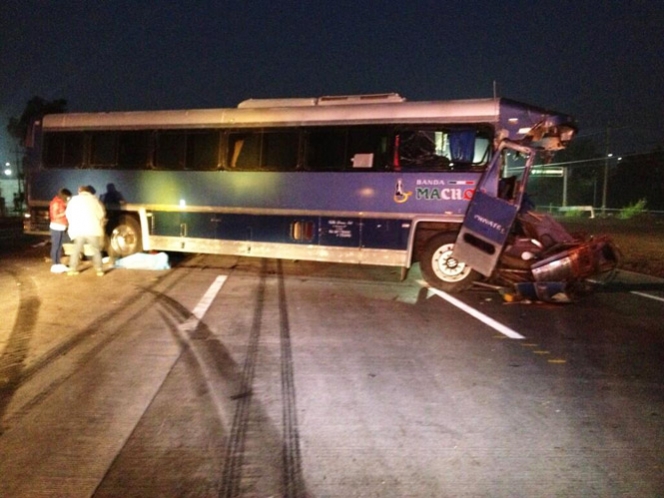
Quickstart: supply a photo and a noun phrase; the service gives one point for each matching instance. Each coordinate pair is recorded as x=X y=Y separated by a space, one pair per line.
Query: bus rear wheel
x=125 y=238
x=441 y=270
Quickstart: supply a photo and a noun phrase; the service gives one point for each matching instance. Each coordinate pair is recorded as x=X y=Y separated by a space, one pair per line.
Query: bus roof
x=504 y=114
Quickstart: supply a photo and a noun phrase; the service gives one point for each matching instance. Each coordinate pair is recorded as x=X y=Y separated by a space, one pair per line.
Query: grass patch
x=632 y=210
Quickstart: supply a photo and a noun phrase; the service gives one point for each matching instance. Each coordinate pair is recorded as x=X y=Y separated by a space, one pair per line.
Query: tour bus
x=367 y=179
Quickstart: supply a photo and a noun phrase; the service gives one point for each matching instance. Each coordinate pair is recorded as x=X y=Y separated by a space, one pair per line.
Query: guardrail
x=580 y=209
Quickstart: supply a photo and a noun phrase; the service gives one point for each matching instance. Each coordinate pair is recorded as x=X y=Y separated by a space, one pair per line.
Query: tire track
x=12 y=368
x=89 y=341
x=232 y=473
x=292 y=459
x=245 y=422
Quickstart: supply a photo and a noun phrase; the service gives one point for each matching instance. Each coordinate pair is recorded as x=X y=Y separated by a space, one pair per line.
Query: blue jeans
x=95 y=245
x=58 y=237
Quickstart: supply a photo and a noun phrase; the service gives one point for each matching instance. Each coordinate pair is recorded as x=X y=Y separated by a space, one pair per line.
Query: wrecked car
x=525 y=254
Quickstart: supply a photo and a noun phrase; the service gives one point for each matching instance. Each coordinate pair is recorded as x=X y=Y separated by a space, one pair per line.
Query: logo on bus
x=436 y=190
x=400 y=196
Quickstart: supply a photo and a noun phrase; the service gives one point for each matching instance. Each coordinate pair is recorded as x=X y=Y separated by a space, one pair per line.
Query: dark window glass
x=367 y=147
x=104 y=149
x=354 y=148
x=133 y=149
x=325 y=149
x=63 y=150
x=73 y=157
x=54 y=149
x=280 y=151
x=170 y=150
x=244 y=151
x=203 y=150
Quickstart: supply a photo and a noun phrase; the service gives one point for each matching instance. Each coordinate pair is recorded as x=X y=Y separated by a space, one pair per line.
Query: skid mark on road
x=83 y=344
x=235 y=447
x=18 y=345
x=291 y=448
x=245 y=463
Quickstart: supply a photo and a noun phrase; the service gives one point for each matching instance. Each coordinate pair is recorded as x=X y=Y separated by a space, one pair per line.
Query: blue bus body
x=366 y=211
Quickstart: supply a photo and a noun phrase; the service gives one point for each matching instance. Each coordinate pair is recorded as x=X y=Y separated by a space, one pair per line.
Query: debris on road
x=542 y=261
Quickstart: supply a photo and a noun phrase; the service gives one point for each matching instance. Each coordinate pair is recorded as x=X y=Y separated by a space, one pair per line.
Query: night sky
x=602 y=62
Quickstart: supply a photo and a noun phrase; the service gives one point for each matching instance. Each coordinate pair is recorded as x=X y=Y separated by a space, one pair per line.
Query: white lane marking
x=210 y=375
x=201 y=308
x=476 y=314
x=650 y=296
x=636 y=293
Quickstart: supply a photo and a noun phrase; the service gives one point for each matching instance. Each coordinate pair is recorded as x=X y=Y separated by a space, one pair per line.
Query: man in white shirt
x=86 y=216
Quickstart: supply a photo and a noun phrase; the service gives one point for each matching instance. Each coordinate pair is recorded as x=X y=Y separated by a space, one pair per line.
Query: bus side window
x=367 y=147
x=64 y=150
x=280 y=150
x=422 y=150
x=245 y=150
x=103 y=149
x=325 y=149
x=54 y=150
x=133 y=149
x=203 y=150
x=170 y=150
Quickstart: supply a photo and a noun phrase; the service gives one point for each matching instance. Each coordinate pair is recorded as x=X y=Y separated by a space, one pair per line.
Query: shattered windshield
x=425 y=149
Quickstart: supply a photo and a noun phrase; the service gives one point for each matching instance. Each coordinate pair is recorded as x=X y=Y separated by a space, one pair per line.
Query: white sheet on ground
x=144 y=261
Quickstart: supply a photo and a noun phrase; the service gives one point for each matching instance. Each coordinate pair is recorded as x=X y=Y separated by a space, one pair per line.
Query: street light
x=8 y=169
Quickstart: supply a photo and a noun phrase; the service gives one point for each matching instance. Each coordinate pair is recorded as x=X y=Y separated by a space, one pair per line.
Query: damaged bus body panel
x=510 y=245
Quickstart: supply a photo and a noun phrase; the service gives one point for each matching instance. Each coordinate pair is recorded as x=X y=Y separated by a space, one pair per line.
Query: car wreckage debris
x=542 y=261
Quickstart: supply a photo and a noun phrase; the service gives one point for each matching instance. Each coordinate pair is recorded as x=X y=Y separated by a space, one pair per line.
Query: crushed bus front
x=502 y=239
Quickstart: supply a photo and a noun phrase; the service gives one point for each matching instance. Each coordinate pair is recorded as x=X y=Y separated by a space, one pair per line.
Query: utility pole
x=18 y=204
x=605 y=184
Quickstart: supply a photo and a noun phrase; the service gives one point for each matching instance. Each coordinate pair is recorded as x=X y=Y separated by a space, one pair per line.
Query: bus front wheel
x=441 y=270
x=125 y=238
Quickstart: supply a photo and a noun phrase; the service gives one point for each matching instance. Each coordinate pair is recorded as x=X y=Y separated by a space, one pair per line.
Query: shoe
x=59 y=268
x=72 y=273
x=100 y=273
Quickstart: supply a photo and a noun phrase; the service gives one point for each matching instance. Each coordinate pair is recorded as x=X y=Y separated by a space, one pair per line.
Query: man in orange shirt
x=58 y=226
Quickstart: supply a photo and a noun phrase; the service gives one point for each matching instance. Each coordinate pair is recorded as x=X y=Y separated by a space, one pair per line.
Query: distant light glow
x=183 y=203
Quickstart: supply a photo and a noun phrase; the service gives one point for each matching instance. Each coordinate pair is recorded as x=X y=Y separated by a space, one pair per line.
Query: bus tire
x=125 y=237
x=441 y=270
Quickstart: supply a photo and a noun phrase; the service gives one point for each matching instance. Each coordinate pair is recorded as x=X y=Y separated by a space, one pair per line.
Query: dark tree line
x=639 y=177
x=36 y=108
